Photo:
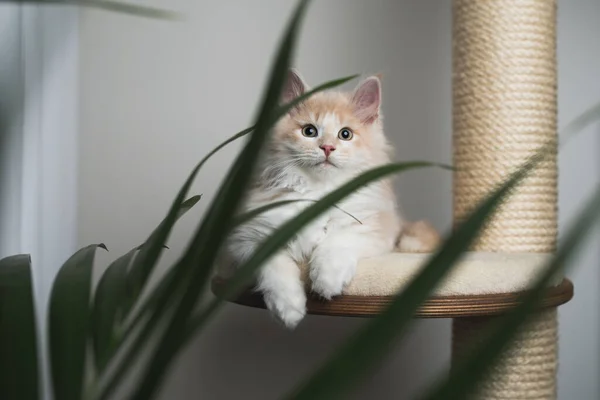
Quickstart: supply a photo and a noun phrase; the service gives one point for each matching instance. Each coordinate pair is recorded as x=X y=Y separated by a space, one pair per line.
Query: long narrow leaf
x=148 y=259
x=159 y=292
x=153 y=299
x=158 y=298
x=327 y=85
x=108 y=307
x=18 y=338
x=144 y=263
x=464 y=378
x=164 y=282
x=69 y=323
x=287 y=231
x=204 y=247
x=584 y=119
x=370 y=344
x=116 y=293
x=249 y=215
x=109 y=5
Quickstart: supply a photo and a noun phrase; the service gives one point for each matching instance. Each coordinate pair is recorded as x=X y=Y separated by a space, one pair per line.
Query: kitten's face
x=330 y=133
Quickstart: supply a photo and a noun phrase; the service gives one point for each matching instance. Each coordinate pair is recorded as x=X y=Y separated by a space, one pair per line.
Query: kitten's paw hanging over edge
x=329 y=274
x=283 y=290
x=288 y=308
x=419 y=237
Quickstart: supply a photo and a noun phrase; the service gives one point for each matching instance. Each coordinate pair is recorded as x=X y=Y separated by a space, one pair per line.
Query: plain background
x=10 y=100
x=156 y=96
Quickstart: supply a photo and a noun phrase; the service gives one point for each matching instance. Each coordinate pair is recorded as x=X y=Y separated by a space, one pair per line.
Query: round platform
x=455 y=306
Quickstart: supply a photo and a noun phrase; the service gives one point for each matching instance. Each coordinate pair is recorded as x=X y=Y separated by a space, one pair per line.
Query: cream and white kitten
x=321 y=144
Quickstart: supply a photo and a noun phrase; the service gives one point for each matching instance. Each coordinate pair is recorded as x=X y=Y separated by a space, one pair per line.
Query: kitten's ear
x=294 y=86
x=367 y=99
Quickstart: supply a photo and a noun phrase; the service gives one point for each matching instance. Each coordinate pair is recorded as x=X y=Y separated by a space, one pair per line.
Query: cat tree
x=504 y=109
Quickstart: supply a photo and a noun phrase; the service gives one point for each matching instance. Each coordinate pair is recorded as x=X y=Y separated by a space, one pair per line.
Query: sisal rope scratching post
x=504 y=109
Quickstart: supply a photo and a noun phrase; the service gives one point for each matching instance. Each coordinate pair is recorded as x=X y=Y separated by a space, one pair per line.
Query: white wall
x=156 y=96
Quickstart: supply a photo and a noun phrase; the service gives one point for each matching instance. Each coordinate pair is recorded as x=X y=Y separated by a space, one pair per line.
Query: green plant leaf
x=155 y=242
x=160 y=290
x=249 y=215
x=164 y=282
x=18 y=337
x=114 y=295
x=145 y=261
x=108 y=307
x=370 y=344
x=584 y=119
x=281 y=111
x=466 y=375
x=287 y=231
x=69 y=323
x=206 y=243
x=110 y=5
x=157 y=301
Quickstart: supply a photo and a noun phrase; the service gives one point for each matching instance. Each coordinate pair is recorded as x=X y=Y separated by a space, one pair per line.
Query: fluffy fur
x=301 y=164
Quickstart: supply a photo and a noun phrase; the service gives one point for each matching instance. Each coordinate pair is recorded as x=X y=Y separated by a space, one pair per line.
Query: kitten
x=321 y=144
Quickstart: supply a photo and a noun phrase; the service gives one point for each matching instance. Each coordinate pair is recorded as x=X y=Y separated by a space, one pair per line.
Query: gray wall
x=579 y=163
x=11 y=109
x=157 y=96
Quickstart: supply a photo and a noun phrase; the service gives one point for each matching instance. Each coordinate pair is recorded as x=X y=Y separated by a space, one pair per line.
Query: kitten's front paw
x=330 y=274
x=289 y=307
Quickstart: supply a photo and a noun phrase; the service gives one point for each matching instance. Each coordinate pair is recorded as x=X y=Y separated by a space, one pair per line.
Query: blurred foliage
x=108 y=5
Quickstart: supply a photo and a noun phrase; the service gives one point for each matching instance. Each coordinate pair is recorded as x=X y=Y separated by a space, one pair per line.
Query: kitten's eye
x=345 y=134
x=309 y=131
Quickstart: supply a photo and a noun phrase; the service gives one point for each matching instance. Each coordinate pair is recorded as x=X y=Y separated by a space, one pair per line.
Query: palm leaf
x=146 y=261
x=206 y=243
x=149 y=252
x=116 y=292
x=145 y=264
x=69 y=323
x=18 y=337
x=235 y=182
x=287 y=231
x=162 y=288
x=108 y=306
x=164 y=282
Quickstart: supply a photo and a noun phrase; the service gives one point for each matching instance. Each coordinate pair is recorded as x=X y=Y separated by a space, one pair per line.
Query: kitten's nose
x=327 y=148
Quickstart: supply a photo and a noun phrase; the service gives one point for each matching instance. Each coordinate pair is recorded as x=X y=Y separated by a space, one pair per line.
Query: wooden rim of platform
x=436 y=307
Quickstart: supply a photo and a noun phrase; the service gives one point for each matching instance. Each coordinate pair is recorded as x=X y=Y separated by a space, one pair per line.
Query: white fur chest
x=358 y=206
